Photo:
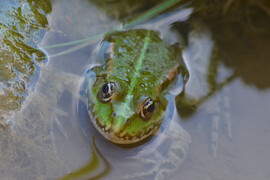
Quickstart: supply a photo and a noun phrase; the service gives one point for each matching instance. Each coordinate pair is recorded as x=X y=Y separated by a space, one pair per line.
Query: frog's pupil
x=108 y=88
x=148 y=109
x=106 y=92
x=112 y=86
x=105 y=88
x=151 y=108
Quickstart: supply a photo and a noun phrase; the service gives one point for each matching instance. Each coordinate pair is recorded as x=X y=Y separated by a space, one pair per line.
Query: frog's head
x=127 y=99
x=123 y=117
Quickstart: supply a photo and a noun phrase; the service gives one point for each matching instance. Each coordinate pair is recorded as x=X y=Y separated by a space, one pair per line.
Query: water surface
x=224 y=107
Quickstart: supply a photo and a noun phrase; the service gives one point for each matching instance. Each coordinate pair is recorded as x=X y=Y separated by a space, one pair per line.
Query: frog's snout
x=113 y=116
x=123 y=110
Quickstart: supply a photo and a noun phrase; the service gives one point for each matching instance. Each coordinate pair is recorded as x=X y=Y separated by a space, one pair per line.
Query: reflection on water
x=224 y=107
x=240 y=32
x=245 y=56
x=248 y=49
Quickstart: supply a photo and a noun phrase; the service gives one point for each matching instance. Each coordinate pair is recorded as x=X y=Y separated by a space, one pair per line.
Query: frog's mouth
x=120 y=137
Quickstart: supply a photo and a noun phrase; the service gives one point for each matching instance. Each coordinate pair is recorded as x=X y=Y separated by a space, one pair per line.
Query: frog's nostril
x=113 y=114
x=128 y=121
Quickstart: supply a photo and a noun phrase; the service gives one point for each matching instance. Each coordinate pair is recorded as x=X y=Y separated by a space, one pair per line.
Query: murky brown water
x=224 y=108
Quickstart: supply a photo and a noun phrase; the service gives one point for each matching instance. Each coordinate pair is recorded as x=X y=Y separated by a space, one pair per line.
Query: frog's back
x=140 y=54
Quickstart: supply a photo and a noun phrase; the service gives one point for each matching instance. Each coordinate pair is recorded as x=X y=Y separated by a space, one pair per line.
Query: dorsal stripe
x=135 y=77
x=139 y=63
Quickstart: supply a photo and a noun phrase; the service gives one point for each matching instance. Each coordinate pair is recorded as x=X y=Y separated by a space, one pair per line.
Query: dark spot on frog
x=131 y=64
x=113 y=114
x=128 y=121
x=145 y=71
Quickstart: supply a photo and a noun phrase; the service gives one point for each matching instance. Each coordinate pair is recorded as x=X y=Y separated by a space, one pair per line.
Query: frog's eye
x=106 y=92
x=147 y=109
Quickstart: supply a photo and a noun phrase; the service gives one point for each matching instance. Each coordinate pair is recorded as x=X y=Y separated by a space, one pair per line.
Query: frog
x=126 y=100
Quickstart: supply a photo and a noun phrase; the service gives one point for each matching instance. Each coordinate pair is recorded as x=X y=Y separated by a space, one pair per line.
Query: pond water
x=220 y=129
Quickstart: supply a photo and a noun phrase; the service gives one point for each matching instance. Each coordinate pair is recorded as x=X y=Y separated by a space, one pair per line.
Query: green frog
x=126 y=99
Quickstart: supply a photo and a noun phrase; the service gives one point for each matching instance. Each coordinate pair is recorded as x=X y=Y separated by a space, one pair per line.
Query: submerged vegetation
x=22 y=26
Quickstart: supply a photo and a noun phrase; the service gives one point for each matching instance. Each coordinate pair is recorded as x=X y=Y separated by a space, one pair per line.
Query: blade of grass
x=152 y=12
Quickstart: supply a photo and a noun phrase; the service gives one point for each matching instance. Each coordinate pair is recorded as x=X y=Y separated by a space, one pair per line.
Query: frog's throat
x=117 y=138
